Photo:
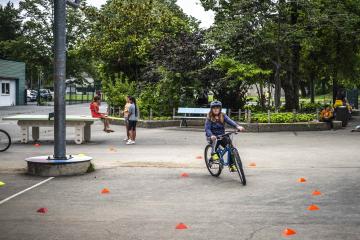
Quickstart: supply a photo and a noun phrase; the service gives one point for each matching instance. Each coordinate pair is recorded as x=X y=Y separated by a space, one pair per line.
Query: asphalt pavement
x=148 y=197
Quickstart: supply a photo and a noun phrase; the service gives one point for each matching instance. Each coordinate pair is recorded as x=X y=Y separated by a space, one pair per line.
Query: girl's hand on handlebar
x=213 y=138
x=240 y=128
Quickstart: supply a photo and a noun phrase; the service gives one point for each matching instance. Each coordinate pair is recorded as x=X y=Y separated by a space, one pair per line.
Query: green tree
x=10 y=22
x=34 y=41
x=126 y=30
x=232 y=79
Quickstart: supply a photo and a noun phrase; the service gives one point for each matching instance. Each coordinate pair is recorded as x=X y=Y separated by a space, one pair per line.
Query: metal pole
x=59 y=79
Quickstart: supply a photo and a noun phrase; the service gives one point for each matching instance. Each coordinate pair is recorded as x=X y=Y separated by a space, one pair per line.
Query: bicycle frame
x=221 y=152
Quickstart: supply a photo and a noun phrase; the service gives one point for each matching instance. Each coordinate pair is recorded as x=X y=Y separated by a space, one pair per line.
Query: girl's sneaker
x=233 y=168
x=130 y=142
x=126 y=139
x=215 y=157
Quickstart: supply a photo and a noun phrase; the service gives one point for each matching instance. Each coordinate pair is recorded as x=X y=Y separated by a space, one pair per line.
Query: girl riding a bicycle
x=215 y=126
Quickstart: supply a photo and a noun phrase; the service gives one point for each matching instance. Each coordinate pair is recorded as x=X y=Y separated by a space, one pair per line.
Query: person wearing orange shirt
x=327 y=115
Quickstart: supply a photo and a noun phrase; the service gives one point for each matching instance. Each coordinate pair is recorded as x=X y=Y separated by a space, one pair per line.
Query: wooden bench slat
x=45 y=118
x=196 y=110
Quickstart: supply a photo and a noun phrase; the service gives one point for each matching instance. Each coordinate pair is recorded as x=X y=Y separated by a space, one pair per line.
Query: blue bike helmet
x=215 y=104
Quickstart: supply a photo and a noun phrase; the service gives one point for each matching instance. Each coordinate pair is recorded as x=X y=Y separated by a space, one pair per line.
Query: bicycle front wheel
x=5 y=141
x=239 y=166
x=214 y=168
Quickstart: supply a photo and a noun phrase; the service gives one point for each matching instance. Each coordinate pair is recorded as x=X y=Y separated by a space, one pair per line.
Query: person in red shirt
x=94 y=108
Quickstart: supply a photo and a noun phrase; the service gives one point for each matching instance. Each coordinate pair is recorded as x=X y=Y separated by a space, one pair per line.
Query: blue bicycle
x=226 y=148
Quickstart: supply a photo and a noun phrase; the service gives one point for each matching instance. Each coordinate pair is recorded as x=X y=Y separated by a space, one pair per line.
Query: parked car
x=31 y=95
x=46 y=94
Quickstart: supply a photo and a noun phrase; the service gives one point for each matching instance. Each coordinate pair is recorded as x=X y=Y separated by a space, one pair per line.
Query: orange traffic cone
x=184 y=175
x=252 y=165
x=302 y=180
x=42 y=210
x=181 y=226
x=316 y=193
x=105 y=191
x=289 y=232
x=313 y=207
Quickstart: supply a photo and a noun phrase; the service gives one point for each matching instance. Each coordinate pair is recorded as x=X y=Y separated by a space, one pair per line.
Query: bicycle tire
x=209 y=165
x=239 y=166
x=4 y=136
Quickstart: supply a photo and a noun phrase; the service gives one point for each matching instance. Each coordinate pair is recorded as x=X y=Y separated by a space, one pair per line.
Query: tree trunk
x=312 y=87
x=335 y=73
x=277 y=93
x=292 y=94
x=303 y=91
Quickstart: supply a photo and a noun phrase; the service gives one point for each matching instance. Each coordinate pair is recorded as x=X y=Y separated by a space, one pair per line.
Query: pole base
x=45 y=166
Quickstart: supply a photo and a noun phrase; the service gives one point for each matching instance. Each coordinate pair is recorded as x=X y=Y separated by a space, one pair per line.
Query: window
x=5 y=88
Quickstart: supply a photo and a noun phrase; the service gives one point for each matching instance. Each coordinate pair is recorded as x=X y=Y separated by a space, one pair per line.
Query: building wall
x=14 y=70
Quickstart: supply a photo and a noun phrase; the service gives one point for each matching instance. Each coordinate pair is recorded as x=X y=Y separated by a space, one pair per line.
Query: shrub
x=117 y=89
x=161 y=97
x=310 y=107
x=283 y=117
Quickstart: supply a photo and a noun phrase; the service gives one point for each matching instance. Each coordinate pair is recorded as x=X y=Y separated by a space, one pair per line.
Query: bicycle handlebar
x=228 y=134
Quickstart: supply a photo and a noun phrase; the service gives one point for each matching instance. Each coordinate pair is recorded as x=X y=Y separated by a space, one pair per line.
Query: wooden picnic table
x=82 y=125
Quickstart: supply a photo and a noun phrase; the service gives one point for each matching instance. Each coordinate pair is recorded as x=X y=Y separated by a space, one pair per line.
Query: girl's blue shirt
x=218 y=128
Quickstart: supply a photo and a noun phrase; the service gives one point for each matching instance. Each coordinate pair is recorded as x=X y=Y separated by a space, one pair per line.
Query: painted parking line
x=25 y=190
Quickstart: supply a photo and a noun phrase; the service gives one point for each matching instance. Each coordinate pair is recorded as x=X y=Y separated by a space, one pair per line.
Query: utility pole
x=60 y=77
x=59 y=164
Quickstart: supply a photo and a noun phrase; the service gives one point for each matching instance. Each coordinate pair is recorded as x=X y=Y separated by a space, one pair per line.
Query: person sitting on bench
x=327 y=115
x=94 y=108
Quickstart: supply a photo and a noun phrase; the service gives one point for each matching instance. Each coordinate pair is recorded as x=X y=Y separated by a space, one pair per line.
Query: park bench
x=82 y=125
x=192 y=113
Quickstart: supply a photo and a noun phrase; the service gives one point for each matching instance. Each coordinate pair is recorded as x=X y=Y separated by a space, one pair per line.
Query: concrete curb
x=250 y=127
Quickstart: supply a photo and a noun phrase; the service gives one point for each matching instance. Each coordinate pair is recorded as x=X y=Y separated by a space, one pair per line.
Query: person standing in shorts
x=126 y=117
x=133 y=118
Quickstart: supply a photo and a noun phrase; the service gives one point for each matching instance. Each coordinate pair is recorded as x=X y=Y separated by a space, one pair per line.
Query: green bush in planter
x=283 y=117
x=310 y=107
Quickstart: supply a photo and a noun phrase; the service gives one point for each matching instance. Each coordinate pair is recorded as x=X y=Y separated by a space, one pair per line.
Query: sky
x=190 y=7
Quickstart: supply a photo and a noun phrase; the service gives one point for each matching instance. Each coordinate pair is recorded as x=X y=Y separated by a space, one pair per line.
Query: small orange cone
x=313 y=208
x=316 y=193
x=252 y=165
x=105 y=191
x=37 y=145
x=42 y=210
x=199 y=157
x=181 y=226
x=184 y=175
x=289 y=232
x=302 y=180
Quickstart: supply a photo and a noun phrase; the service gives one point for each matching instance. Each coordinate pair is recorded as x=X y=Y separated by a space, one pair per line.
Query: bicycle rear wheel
x=5 y=141
x=239 y=166
x=214 y=168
